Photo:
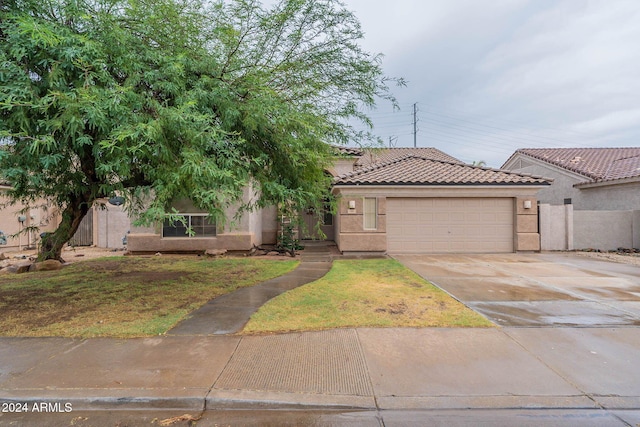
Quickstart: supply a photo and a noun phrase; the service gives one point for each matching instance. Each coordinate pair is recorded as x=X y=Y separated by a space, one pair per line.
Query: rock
x=22 y=268
x=2 y=257
x=48 y=265
x=215 y=252
x=11 y=269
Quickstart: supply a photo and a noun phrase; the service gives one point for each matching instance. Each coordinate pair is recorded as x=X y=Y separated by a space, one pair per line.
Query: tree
x=158 y=99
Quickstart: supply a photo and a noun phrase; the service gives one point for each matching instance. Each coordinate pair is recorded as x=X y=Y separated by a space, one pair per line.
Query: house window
x=200 y=224
x=370 y=213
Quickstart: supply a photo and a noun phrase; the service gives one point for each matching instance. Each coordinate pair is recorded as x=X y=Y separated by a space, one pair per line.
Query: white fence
x=562 y=228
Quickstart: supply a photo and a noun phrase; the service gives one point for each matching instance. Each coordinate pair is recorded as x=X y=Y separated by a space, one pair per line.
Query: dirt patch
x=623 y=258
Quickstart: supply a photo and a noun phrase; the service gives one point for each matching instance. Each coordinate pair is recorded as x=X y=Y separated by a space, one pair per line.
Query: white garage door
x=438 y=225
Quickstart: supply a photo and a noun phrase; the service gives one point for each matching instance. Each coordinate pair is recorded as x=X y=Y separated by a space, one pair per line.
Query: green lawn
x=363 y=293
x=123 y=296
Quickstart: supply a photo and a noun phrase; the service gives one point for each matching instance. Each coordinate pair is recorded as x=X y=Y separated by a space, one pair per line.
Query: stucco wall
x=556 y=227
x=605 y=230
x=111 y=224
x=602 y=197
x=562 y=187
x=36 y=215
x=611 y=197
x=563 y=228
x=236 y=234
x=351 y=235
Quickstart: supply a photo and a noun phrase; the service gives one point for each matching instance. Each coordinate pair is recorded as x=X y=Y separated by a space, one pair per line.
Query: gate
x=84 y=234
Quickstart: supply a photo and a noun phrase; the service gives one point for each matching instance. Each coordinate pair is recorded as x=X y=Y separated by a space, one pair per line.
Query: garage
x=440 y=225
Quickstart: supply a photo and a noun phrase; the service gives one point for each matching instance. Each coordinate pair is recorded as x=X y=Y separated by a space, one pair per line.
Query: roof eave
x=608 y=182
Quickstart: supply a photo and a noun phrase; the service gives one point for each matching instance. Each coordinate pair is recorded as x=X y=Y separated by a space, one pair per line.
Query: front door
x=317 y=226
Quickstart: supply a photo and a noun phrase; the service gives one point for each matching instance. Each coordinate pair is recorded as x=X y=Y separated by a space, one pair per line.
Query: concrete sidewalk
x=373 y=369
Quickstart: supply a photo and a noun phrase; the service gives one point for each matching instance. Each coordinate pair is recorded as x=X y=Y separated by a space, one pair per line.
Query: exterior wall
x=604 y=230
x=527 y=237
x=563 y=228
x=611 y=197
x=596 y=197
x=36 y=216
x=237 y=234
x=556 y=227
x=342 y=166
x=563 y=181
x=269 y=217
x=111 y=224
x=351 y=236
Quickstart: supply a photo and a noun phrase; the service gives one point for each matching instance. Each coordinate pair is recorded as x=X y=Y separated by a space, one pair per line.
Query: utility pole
x=392 y=140
x=415 y=125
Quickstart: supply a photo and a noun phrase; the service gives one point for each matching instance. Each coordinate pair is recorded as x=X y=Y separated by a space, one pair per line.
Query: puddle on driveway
x=554 y=313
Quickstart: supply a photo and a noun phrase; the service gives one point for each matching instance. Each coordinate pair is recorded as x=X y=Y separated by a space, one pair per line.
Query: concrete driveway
x=534 y=290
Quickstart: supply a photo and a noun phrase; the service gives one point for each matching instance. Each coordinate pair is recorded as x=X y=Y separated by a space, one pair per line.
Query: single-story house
x=587 y=178
x=396 y=200
x=594 y=201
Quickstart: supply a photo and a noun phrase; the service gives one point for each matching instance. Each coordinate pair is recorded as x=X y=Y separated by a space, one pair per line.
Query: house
x=594 y=201
x=587 y=178
x=15 y=219
x=396 y=200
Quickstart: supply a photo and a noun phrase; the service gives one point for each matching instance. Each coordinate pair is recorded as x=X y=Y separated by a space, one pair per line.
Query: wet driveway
x=534 y=290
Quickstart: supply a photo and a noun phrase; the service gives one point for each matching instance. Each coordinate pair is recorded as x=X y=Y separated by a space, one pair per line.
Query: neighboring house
x=16 y=218
x=594 y=201
x=402 y=200
x=587 y=178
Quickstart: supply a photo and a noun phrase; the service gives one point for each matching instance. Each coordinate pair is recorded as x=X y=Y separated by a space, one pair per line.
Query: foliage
x=363 y=293
x=155 y=100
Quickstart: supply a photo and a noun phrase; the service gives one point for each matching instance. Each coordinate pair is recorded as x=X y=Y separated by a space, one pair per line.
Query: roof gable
x=417 y=170
x=597 y=164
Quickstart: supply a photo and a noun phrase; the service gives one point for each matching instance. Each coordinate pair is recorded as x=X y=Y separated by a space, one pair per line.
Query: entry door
x=310 y=221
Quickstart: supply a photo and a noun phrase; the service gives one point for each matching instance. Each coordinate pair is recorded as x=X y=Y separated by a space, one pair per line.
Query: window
x=201 y=226
x=370 y=213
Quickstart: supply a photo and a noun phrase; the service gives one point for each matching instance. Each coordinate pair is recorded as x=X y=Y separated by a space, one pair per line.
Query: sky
x=491 y=76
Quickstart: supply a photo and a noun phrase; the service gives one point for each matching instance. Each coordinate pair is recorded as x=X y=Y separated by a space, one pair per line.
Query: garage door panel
x=432 y=225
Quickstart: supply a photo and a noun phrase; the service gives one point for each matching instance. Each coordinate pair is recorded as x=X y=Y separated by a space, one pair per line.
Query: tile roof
x=598 y=164
x=347 y=151
x=417 y=170
x=384 y=155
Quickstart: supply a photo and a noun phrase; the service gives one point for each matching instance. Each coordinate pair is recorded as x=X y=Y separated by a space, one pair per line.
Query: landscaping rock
x=22 y=268
x=2 y=257
x=48 y=265
x=215 y=252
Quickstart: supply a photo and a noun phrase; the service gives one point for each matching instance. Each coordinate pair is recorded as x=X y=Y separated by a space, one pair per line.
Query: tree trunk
x=52 y=243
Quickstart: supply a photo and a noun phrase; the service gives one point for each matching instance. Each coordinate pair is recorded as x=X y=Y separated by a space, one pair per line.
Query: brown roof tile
x=416 y=170
x=598 y=164
x=385 y=155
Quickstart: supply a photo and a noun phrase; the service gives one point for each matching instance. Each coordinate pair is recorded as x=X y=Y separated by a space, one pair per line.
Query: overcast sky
x=491 y=76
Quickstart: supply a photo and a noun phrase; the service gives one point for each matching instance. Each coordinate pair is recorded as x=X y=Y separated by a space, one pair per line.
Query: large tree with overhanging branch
x=154 y=100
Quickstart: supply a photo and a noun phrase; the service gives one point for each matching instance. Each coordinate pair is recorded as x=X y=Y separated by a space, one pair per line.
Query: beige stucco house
x=402 y=200
x=587 y=178
x=594 y=201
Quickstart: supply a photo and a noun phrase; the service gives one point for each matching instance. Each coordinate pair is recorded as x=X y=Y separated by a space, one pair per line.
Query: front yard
x=122 y=296
x=145 y=296
x=364 y=293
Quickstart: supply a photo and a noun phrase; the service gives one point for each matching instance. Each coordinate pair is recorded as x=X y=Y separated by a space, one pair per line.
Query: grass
x=363 y=293
x=123 y=296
